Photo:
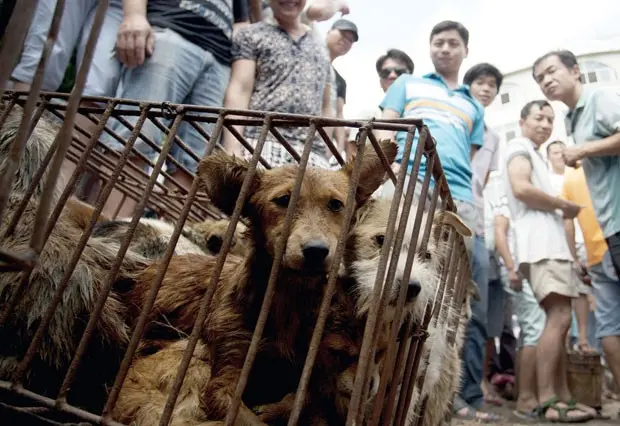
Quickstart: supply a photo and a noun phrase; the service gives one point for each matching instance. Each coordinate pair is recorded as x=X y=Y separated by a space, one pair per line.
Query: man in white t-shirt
x=543 y=254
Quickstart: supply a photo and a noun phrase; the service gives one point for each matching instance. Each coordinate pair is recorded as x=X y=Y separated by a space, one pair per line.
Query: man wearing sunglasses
x=390 y=66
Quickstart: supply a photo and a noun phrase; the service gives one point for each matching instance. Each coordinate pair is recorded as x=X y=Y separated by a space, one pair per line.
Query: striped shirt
x=455 y=120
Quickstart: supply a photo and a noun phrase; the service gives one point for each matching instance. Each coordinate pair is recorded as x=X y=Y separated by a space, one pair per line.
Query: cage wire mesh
x=83 y=295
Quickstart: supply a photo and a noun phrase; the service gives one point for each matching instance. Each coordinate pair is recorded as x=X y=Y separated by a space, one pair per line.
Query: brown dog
x=241 y=287
x=333 y=376
x=61 y=337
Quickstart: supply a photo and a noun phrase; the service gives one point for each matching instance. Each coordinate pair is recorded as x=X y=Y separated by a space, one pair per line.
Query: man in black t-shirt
x=177 y=51
x=340 y=39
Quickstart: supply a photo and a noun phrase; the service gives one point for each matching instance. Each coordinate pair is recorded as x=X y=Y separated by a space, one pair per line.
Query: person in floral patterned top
x=279 y=66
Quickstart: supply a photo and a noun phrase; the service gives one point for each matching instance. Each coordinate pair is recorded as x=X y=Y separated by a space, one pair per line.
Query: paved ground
x=610 y=408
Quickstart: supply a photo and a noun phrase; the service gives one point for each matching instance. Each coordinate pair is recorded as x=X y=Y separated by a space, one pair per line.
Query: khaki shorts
x=552 y=276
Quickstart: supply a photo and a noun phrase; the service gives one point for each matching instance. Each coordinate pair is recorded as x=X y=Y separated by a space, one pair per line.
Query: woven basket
x=585 y=378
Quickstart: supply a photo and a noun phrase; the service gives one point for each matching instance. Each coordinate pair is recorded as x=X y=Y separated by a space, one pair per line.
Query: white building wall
x=519 y=88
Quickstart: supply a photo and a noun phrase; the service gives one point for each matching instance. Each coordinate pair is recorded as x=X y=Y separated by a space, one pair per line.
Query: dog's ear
x=452 y=219
x=372 y=171
x=222 y=176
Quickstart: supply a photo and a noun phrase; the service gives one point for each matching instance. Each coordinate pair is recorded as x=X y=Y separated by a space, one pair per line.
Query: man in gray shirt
x=594 y=122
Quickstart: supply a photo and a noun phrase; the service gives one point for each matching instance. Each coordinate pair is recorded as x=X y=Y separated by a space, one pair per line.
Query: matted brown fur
x=151 y=375
x=66 y=327
x=149 y=380
x=152 y=236
x=241 y=286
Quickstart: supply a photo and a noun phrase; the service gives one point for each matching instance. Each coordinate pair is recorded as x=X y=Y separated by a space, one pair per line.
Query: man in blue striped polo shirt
x=456 y=122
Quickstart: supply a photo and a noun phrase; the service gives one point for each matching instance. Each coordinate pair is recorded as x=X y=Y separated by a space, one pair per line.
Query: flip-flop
x=472 y=414
x=528 y=416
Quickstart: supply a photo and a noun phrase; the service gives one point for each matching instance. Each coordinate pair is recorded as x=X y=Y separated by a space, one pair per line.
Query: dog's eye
x=283 y=200
x=335 y=205
x=379 y=239
x=427 y=255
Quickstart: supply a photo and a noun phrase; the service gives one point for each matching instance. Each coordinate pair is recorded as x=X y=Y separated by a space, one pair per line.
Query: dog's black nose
x=413 y=289
x=214 y=244
x=315 y=252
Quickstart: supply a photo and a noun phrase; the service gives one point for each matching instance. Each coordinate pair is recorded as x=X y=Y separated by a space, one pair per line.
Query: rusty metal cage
x=80 y=124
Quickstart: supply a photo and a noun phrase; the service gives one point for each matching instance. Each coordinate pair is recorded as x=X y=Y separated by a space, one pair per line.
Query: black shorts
x=614 y=250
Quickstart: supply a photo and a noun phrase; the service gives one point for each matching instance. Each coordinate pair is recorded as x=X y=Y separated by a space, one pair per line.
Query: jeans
x=178 y=72
x=75 y=27
x=476 y=334
x=607 y=296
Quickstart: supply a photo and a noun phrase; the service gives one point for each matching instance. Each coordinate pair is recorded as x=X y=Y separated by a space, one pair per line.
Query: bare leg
x=582 y=308
x=611 y=346
x=526 y=379
x=549 y=354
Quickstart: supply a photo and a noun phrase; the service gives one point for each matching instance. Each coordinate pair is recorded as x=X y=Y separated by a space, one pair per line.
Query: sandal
x=563 y=412
x=471 y=413
x=582 y=407
x=527 y=416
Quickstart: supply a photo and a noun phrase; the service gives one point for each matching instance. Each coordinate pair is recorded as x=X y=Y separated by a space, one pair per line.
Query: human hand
x=582 y=271
x=570 y=209
x=135 y=40
x=515 y=281
x=573 y=154
x=343 y=7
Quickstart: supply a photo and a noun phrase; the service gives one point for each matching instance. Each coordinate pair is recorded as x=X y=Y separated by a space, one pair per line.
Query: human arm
x=606 y=104
x=520 y=176
x=493 y=139
x=340 y=131
x=501 y=225
x=238 y=96
x=322 y=10
x=135 y=39
x=241 y=84
x=477 y=134
x=392 y=106
x=256 y=10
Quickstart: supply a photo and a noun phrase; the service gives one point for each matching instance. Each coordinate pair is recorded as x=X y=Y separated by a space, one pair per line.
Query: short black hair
x=481 y=70
x=540 y=103
x=448 y=26
x=567 y=57
x=558 y=142
x=396 y=55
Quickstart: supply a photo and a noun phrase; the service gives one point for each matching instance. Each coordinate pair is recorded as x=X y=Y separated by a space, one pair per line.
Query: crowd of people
x=546 y=242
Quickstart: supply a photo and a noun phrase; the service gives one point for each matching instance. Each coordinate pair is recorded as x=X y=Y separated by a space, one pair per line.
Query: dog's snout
x=214 y=244
x=315 y=252
x=413 y=289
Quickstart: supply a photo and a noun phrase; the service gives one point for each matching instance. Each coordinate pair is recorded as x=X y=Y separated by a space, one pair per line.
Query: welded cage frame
x=87 y=153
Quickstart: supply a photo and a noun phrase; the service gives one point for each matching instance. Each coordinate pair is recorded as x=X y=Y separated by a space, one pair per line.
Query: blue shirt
x=597 y=116
x=454 y=118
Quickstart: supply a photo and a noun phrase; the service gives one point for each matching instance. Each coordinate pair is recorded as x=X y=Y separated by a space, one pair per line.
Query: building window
x=597 y=72
x=510 y=135
x=592 y=77
x=505 y=98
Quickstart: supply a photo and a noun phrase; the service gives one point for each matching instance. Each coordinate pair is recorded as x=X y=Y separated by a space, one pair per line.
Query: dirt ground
x=610 y=408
